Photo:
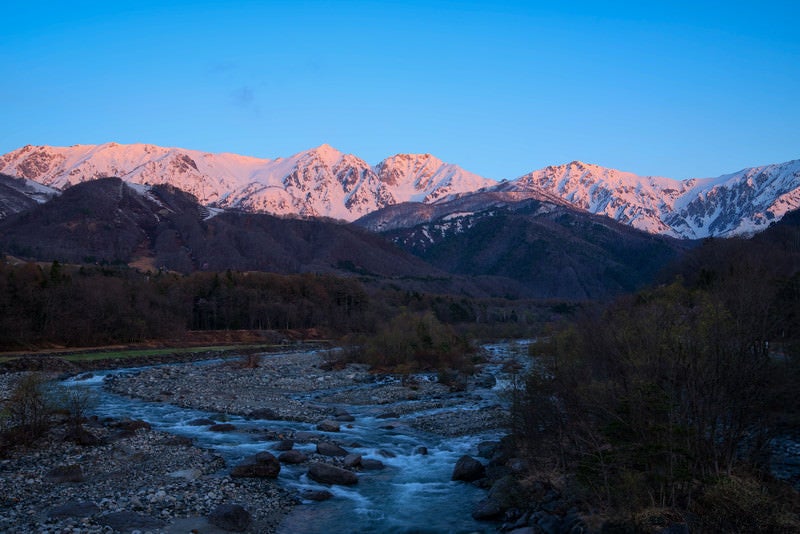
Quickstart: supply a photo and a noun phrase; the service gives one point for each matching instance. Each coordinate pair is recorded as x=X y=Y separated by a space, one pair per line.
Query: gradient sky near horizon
x=678 y=89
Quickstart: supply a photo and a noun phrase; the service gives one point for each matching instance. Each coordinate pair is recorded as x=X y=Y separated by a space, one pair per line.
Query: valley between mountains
x=649 y=385
x=574 y=231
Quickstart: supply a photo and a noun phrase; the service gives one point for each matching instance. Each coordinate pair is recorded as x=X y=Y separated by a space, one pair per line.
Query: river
x=413 y=493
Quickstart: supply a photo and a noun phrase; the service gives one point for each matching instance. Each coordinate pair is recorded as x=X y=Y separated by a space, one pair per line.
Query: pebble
x=139 y=482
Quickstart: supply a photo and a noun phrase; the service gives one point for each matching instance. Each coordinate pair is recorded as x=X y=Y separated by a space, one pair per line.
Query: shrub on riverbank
x=28 y=409
x=413 y=342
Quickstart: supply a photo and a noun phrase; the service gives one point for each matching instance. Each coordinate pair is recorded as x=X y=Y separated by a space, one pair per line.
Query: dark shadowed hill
x=109 y=221
x=18 y=195
x=553 y=250
x=528 y=248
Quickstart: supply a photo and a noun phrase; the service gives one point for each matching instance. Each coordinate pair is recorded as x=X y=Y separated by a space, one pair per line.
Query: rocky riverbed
x=127 y=477
x=130 y=479
x=305 y=387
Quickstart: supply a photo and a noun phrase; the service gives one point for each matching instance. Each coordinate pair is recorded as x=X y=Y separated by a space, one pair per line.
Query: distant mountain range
x=323 y=182
x=527 y=248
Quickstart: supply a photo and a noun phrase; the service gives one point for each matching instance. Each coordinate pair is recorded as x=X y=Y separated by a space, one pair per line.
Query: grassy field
x=128 y=353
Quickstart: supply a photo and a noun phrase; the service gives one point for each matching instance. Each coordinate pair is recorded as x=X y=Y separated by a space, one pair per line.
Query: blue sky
x=678 y=89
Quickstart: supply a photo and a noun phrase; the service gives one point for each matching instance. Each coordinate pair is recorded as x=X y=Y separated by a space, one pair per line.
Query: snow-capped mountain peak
x=737 y=203
x=322 y=181
x=427 y=178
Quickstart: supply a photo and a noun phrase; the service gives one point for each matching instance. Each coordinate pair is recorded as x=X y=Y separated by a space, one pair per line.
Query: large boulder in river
x=468 y=469
x=284 y=445
x=504 y=494
x=329 y=474
x=371 y=464
x=352 y=460
x=328 y=426
x=326 y=448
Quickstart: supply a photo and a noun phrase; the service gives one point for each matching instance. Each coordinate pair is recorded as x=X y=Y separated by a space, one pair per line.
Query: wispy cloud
x=245 y=98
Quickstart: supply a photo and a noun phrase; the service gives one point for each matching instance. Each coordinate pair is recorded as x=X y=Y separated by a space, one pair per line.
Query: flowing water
x=413 y=493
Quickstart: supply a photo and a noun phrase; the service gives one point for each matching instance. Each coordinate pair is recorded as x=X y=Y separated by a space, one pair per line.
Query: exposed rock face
x=318 y=182
x=739 y=203
x=323 y=182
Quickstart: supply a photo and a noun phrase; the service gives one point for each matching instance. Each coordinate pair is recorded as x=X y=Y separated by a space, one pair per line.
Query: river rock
x=284 y=445
x=421 y=450
x=486 y=510
x=504 y=495
x=65 y=473
x=231 y=517
x=74 y=509
x=329 y=474
x=127 y=521
x=186 y=474
x=326 y=448
x=347 y=418
x=316 y=495
x=264 y=457
x=200 y=422
x=265 y=466
x=303 y=436
x=222 y=427
x=486 y=449
x=263 y=413
x=468 y=469
x=371 y=464
x=352 y=460
x=130 y=426
x=328 y=426
x=255 y=471
x=177 y=441
x=486 y=380
x=292 y=457
x=81 y=436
